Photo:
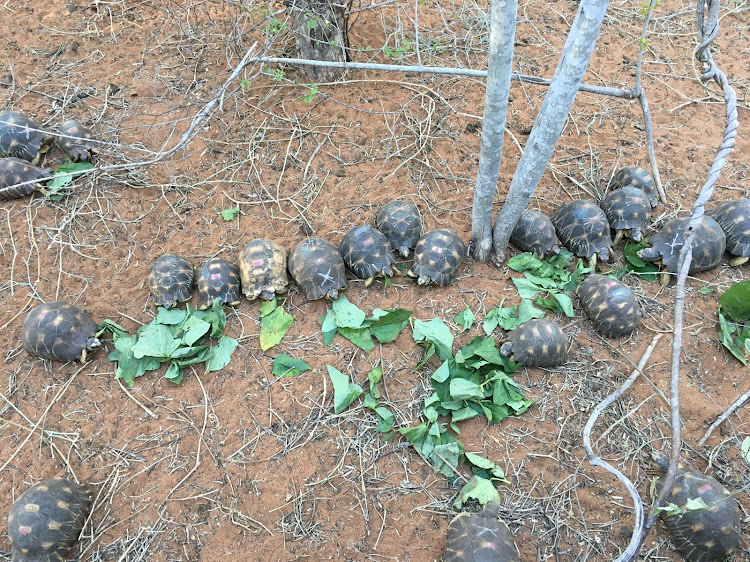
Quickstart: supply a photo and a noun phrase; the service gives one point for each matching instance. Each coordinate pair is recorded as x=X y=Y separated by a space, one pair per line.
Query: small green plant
x=276 y=74
x=734 y=320
x=311 y=94
x=398 y=51
x=275 y=26
x=230 y=214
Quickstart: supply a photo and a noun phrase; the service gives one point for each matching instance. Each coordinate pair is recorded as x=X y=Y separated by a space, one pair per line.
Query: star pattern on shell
x=219 y=279
x=171 y=280
x=263 y=269
x=59 y=331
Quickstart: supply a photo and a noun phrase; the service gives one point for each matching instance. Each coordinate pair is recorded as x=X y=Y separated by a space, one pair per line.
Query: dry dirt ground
x=266 y=470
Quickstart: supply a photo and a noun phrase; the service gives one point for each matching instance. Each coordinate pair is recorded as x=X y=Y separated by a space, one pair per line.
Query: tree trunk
x=320 y=32
x=550 y=122
x=500 y=67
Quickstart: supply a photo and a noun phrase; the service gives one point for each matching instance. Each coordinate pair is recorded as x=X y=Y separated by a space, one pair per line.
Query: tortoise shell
x=703 y=535
x=734 y=219
x=708 y=245
x=610 y=304
x=584 y=230
x=75 y=141
x=401 y=224
x=537 y=343
x=480 y=537
x=367 y=253
x=636 y=176
x=437 y=257
x=263 y=269
x=46 y=520
x=317 y=267
x=535 y=233
x=59 y=331
x=15 y=175
x=628 y=211
x=219 y=279
x=170 y=280
x=22 y=137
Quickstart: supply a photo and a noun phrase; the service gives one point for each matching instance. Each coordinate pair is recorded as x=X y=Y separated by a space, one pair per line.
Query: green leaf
x=492 y=319
x=155 y=340
x=696 y=504
x=174 y=373
x=229 y=214
x=344 y=391
x=462 y=389
x=669 y=509
x=194 y=329
x=465 y=318
x=705 y=290
x=492 y=471
x=634 y=263
x=374 y=377
x=385 y=325
x=221 y=354
x=267 y=307
x=735 y=302
x=286 y=366
x=445 y=459
x=566 y=304
x=170 y=316
x=59 y=181
x=527 y=289
x=346 y=314
x=359 y=336
x=527 y=311
x=442 y=373
x=273 y=327
x=436 y=332
x=745 y=448
x=385 y=418
x=479 y=489
x=214 y=316
x=328 y=323
x=726 y=331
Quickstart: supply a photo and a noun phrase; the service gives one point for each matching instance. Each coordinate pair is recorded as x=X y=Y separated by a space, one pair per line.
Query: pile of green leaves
x=177 y=337
x=349 y=321
x=734 y=320
x=345 y=392
x=633 y=263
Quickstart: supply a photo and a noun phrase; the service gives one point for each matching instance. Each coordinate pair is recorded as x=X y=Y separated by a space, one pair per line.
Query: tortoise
x=636 y=176
x=46 y=519
x=537 y=343
x=401 y=223
x=19 y=178
x=22 y=137
x=535 y=233
x=584 y=230
x=317 y=267
x=367 y=253
x=610 y=304
x=170 y=280
x=703 y=535
x=219 y=279
x=59 y=331
x=708 y=246
x=263 y=269
x=734 y=219
x=437 y=257
x=75 y=141
x=628 y=211
x=480 y=537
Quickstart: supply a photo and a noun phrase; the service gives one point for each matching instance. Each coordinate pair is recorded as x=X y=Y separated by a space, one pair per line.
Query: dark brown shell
x=734 y=219
x=401 y=223
x=583 y=228
x=75 y=141
x=46 y=520
x=263 y=269
x=480 y=537
x=627 y=209
x=636 y=176
x=219 y=279
x=22 y=137
x=15 y=171
x=708 y=245
x=59 y=331
x=317 y=267
x=610 y=304
x=535 y=233
x=537 y=343
x=707 y=535
x=171 y=280
x=437 y=257
x=367 y=253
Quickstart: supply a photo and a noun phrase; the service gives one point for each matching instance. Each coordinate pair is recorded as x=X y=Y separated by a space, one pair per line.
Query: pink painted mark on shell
x=703 y=489
x=437 y=250
x=215 y=276
x=257 y=263
x=23 y=531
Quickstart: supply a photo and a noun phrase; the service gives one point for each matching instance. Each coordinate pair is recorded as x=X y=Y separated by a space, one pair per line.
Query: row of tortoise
x=585 y=227
x=46 y=520
x=23 y=142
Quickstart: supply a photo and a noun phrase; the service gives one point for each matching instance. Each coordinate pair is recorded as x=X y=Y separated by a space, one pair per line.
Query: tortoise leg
x=369 y=281
x=664 y=278
x=592 y=262
x=739 y=260
x=618 y=236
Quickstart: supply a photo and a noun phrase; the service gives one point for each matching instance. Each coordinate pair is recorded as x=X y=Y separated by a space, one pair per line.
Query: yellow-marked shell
x=317 y=267
x=22 y=137
x=610 y=304
x=628 y=211
x=14 y=175
x=219 y=279
x=636 y=176
x=704 y=535
x=59 y=331
x=734 y=219
x=401 y=223
x=535 y=233
x=46 y=519
x=537 y=343
x=263 y=269
x=480 y=537
x=367 y=253
x=437 y=257
x=171 y=280
x=75 y=141
x=584 y=229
